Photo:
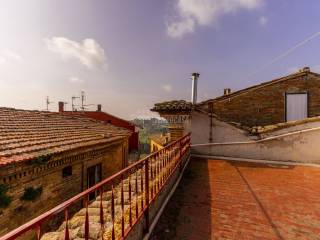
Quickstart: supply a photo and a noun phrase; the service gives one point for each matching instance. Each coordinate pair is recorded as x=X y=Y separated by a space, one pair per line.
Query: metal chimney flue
x=195 y=77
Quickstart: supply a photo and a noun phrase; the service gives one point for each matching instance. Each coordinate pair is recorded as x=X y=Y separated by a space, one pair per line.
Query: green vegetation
x=31 y=193
x=149 y=127
x=5 y=200
x=41 y=159
x=144 y=136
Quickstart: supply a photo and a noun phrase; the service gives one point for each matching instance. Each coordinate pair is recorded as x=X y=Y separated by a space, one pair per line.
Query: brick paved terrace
x=219 y=199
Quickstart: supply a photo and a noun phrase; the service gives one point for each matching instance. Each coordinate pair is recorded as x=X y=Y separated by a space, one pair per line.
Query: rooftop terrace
x=218 y=199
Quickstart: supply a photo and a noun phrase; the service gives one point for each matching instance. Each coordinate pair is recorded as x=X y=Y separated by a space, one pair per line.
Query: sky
x=128 y=55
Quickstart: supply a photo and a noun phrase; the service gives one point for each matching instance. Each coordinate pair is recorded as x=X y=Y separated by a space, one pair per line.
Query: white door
x=296 y=106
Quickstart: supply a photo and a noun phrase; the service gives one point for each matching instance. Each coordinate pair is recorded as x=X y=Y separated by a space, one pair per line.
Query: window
x=109 y=121
x=67 y=171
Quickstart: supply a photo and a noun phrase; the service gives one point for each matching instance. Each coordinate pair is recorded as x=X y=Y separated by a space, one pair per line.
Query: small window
x=109 y=121
x=67 y=171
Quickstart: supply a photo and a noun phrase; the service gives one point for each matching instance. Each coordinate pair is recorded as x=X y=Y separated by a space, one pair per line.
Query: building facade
x=276 y=120
x=159 y=141
x=293 y=97
x=46 y=158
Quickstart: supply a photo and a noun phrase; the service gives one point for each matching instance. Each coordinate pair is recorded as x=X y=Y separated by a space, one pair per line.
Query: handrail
x=152 y=171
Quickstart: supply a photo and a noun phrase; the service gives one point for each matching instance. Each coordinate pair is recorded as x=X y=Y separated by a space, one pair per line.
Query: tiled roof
x=301 y=73
x=25 y=135
x=180 y=105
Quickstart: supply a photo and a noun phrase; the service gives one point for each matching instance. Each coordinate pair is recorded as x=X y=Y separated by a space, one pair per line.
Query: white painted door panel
x=296 y=106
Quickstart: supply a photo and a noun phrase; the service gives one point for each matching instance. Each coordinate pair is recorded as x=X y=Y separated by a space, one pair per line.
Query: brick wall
x=55 y=187
x=266 y=105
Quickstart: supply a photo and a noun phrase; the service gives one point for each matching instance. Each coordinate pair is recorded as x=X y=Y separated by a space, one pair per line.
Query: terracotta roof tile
x=180 y=105
x=25 y=135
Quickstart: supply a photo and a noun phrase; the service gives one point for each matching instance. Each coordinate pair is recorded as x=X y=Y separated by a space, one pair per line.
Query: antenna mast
x=48 y=103
x=83 y=98
x=73 y=98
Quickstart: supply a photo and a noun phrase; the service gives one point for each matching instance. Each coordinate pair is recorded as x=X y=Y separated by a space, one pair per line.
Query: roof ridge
x=263 y=84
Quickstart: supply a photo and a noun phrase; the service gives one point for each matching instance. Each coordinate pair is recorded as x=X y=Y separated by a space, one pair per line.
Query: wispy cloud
x=190 y=13
x=167 y=87
x=263 y=21
x=73 y=79
x=88 y=52
x=8 y=55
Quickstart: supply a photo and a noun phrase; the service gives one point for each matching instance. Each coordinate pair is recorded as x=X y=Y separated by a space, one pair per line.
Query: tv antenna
x=65 y=105
x=48 y=103
x=73 y=98
x=83 y=98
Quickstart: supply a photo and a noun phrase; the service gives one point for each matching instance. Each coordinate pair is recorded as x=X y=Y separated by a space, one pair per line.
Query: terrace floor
x=219 y=199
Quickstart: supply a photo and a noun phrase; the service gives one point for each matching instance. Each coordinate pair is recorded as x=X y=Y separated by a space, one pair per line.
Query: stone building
x=46 y=158
x=275 y=120
x=293 y=97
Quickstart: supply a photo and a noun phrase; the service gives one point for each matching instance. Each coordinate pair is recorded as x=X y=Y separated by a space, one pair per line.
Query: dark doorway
x=93 y=177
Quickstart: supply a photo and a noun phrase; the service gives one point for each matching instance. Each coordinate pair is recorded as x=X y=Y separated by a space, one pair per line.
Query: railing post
x=66 y=231
x=180 y=155
x=86 y=224
x=146 y=213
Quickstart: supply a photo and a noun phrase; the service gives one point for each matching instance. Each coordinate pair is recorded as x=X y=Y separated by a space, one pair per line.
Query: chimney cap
x=226 y=91
x=305 y=69
x=195 y=74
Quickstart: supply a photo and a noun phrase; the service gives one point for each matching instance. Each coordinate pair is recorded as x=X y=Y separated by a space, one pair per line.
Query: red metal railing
x=122 y=199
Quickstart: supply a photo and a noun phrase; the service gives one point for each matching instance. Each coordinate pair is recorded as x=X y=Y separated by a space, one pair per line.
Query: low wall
x=138 y=231
x=201 y=127
x=298 y=146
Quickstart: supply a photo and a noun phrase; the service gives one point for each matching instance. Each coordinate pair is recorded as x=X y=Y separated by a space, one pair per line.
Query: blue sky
x=127 y=54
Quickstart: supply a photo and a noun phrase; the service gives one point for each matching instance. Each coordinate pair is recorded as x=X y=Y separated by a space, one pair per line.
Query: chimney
x=61 y=106
x=99 y=108
x=305 y=69
x=195 y=77
x=226 y=91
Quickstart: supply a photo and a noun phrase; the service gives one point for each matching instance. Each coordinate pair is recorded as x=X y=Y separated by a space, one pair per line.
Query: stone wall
x=55 y=187
x=266 y=105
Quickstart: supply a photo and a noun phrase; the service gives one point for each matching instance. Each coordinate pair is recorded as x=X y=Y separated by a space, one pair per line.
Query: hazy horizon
x=129 y=55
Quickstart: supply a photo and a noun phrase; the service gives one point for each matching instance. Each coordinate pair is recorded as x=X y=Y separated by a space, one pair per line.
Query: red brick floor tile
x=237 y=200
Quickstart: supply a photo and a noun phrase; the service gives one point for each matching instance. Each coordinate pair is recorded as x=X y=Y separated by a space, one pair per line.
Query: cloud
x=89 y=52
x=190 y=13
x=75 y=80
x=263 y=21
x=167 y=87
x=7 y=56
